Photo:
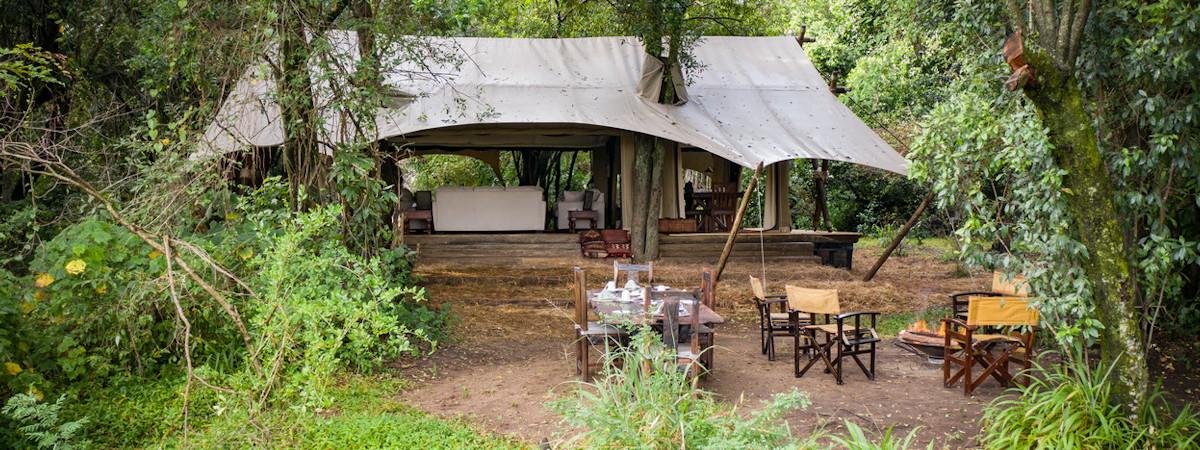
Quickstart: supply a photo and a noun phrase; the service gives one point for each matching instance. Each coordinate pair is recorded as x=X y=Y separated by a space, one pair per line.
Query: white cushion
x=489 y=209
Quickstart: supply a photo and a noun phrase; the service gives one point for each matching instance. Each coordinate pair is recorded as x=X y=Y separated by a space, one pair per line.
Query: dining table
x=613 y=306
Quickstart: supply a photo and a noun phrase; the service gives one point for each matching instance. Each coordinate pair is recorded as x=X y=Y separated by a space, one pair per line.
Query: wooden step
x=755 y=259
x=804 y=248
x=465 y=239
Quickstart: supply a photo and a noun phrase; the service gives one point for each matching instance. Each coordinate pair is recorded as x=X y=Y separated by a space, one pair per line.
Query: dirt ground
x=511 y=349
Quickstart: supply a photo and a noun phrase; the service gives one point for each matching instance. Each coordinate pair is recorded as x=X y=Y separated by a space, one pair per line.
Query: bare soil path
x=511 y=354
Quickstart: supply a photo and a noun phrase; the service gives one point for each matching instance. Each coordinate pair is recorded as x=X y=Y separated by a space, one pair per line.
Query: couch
x=516 y=208
x=573 y=201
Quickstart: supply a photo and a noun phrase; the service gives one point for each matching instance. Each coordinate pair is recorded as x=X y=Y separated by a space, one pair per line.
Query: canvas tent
x=751 y=100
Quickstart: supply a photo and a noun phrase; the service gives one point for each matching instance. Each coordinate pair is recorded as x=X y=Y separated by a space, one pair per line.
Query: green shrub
x=40 y=424
x=1070 y=407
x=93 y=293
x=325 y=308
x=630 y=408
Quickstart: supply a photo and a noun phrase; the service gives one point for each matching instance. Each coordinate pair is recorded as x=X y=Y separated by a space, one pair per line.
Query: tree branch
x=1081 y=16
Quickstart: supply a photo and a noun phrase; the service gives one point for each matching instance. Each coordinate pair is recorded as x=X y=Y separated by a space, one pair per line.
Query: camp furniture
x=830 y=328
x=993 y=353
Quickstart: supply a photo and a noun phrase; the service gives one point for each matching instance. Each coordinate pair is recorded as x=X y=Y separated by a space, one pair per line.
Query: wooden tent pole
x=825 y=195
x=737 y=222
x=899 y=237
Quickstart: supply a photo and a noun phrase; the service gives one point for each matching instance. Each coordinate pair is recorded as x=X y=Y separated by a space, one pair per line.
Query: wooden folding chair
x=633 y=272
x=590 y=333
x=993 y=352
x=1002 y=285
x=772 y=324
x=852 y=338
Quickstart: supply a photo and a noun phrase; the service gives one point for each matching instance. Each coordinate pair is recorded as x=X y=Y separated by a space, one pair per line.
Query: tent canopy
x=751 y=100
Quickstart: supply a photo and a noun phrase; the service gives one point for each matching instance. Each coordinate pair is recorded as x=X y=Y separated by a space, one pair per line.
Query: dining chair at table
x=589 y=333
x=706 y=333
x=691 y=353
x=846 y=331
x=722 y=206
x=633 y=272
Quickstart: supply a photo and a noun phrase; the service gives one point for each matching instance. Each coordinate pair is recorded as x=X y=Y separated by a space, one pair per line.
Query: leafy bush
x=94 y=292
x=1071 y=407
x=632 y=408
x=325 y=308
x=41 y=424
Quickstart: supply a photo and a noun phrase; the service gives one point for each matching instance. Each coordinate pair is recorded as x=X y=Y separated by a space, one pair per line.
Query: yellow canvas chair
x=773 y=317
x=1002 y=285
x=991 y=352
x=853 y=333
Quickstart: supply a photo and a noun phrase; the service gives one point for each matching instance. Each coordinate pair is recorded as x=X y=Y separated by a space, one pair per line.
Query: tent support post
x=899 y=237
x=737 y=222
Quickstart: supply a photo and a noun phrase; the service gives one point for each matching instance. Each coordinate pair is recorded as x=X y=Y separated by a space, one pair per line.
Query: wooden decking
x=832 y=248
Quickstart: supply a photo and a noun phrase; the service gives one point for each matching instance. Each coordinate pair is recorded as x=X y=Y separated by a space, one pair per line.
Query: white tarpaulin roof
x=751 y=100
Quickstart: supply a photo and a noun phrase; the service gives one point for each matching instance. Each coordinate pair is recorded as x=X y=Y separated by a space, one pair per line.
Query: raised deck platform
x=830 y=248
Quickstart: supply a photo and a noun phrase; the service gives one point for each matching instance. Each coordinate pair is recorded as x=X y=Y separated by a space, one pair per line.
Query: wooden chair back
x=1012 y=286
x=756 y=287
x=581 y=301
x=632 y=271
x=1001 y=311
x=708 y=288
x=724 y=197
x=813 y=301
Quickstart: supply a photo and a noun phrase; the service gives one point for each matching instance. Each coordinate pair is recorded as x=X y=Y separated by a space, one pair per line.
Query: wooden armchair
x=847 y=331
x=966 y=347
x=1002 y=285
x=772 y=324
x=589 y=333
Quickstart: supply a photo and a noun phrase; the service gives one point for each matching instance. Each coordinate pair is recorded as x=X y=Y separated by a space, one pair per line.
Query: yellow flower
x=165 y=141
x=101 y=289
x=247 y=253
x=43 y=280
x=154 y=254
x=39 y=295
x=37 y=393
x=12 y=368
x=76 y=266
x=26 y=307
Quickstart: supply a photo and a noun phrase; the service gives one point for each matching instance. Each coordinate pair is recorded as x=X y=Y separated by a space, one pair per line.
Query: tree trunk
x=301 y=157
x=647 y=196
x=1092 y=207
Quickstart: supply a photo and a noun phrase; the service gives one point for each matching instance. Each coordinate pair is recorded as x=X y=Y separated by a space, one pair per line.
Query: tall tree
x=665 y=32
x=1045 y=73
